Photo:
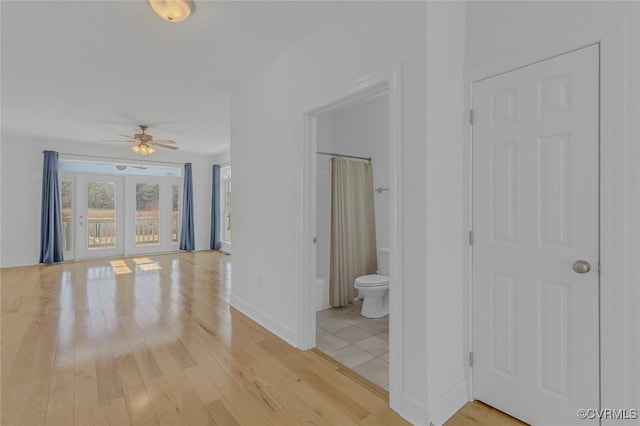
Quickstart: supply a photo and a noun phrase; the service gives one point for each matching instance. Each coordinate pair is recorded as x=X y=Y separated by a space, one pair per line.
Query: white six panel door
x=535 y=213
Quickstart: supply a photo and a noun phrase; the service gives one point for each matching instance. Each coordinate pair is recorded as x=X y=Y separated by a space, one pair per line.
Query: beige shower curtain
x=353 y=230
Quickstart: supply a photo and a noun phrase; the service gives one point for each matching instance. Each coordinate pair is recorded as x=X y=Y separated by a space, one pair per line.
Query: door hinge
x=470 y=238
x=315 y=240
x=471 y=117
x=470 y=359
x=599 y=267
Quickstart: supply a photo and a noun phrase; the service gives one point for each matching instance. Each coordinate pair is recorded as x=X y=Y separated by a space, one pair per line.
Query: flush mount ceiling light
x=173 y=10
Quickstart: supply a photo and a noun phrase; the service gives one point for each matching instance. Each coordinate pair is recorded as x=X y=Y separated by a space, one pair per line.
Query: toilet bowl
x=374 y=289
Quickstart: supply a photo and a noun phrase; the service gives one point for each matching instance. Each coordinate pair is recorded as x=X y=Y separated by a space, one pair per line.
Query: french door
x=536 y=239
x=114 y=215
x=100 y=220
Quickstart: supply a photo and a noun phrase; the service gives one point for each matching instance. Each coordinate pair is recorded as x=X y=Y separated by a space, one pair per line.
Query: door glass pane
x=174 y=213
x=101 y=215
x=226 y=194
x=147 y=214
x=66 y=195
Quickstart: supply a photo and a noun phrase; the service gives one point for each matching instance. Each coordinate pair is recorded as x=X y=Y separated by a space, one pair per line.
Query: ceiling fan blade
x=127 y=136
x=131 y=118
x=116 y=141
x=163 y=145
x=139 y=167
x=164 y=141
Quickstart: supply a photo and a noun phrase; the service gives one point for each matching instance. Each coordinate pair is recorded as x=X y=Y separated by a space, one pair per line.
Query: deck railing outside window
x=101 y=233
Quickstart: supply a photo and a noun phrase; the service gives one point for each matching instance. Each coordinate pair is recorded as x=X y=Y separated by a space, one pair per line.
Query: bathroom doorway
x=352 y=156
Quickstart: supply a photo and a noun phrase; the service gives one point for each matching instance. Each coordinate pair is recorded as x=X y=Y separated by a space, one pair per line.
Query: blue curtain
x=187 y=237
x=50 y=222
x=215 y=209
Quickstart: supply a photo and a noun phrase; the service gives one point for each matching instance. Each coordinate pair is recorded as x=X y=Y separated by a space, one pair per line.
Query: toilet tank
x=383 y=261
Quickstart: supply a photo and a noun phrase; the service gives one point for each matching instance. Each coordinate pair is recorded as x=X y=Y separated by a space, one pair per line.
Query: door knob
x=581 y=266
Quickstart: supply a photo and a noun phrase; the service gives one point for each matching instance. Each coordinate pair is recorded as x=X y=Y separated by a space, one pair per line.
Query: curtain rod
x=333 y=154
x=130 y=160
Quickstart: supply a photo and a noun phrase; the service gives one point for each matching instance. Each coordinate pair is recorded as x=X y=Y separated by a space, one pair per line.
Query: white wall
x=499 y=30
x=21 y=178
x=446 y=359
x=363 y=39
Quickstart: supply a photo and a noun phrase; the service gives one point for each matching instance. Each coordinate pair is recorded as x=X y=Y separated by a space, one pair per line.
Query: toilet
x=374 y=288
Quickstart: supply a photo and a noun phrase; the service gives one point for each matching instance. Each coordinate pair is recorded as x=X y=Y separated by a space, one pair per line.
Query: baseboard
x=449 y=403
x=414 y=411
x=19 y=263
x=321 y=295
x=273 y=325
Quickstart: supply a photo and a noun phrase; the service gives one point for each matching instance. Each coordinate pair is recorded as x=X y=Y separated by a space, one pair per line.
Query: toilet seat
x=373 y=280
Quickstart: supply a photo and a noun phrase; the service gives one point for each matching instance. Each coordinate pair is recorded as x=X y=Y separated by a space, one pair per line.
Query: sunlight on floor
x=120 y=267
x=147 y=264
x=142 y=260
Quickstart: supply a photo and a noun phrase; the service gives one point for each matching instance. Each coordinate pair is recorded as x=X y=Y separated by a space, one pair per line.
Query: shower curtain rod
x=333 y=154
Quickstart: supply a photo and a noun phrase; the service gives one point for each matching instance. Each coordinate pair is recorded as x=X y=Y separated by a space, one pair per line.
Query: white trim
x=447 y=405
x=365 y=88
x=615 y=185
x=615 y=367
x=414 y=411
x=396 y=342
x=273 y=325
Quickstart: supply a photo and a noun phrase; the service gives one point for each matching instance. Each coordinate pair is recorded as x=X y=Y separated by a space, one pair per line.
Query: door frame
x=389 y=81
x=616 y=187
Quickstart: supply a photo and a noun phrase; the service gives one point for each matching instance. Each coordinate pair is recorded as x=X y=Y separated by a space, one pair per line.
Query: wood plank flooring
x=153 y=341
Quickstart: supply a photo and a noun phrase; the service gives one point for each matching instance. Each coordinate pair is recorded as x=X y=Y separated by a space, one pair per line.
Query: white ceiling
x=88 y=70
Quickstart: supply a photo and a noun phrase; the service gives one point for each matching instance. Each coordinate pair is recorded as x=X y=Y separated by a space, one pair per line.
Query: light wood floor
x=152 y=340
x=478 y=414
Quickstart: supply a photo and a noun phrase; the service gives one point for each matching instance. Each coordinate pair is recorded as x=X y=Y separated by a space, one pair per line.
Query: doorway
x=536 y=234
x=353 y=140
x=390 y=82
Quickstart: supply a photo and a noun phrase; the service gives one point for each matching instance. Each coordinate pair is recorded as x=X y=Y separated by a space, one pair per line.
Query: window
x=225 y=194
x=101 y=215
x=175 y=213
x=66 y=198
x=147 y=214
x=119 y=168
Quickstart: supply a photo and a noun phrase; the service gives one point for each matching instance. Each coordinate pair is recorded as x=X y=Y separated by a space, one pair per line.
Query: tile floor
x=360 y=343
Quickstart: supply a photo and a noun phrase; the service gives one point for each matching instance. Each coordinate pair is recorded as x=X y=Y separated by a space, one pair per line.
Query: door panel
x=535 y=212
x=152 y=214
x=100 y=220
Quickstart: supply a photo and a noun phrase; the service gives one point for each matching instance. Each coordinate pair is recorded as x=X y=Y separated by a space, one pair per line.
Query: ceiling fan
x=144 y=142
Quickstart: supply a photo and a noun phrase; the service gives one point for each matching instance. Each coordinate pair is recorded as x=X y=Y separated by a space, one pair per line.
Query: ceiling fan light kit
x=143 y=149
x=173 y=10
